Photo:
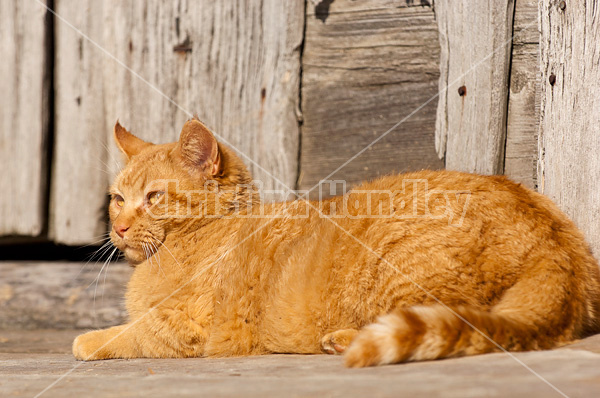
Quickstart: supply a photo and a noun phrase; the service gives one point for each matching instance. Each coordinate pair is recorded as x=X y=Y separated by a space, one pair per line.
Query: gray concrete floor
x=32 y=361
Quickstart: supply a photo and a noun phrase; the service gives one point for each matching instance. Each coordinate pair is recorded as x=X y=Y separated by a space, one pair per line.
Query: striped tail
x=431 y=332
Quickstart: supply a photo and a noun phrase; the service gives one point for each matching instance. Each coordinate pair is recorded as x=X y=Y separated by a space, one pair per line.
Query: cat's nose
x=121 y=229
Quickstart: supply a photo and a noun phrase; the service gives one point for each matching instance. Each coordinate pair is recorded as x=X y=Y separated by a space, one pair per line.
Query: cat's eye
x=154 y=197
x=119 y=201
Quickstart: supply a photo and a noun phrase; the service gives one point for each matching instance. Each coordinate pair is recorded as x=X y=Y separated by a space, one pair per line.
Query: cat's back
x=493 y=211
x=431 y=181
x=488 y=217
x=470 y=195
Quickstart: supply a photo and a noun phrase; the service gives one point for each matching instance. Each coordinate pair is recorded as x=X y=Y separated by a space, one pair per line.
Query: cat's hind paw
x=336 y=342
x=389 y=340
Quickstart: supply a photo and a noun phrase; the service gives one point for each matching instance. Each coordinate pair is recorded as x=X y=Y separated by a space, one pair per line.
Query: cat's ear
x=128 y=143
x=199 y=148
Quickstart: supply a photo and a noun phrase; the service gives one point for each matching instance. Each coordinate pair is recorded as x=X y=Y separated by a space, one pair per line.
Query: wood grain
x=475 y=53
x=61 y=295
x=81 y=164
x=367 y=66
x=569 y=142
x=234 y=63
x=24 y=113
x=520 y=159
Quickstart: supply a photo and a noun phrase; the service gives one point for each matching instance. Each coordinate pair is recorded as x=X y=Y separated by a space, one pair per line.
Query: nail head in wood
x=183 y=47
x=562 y=5
x=462 y=91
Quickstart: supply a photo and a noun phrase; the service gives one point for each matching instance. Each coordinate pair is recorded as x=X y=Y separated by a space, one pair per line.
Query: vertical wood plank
x=569 y=142
x=520 y=159
x=234 y=63
x=24 y=96
x=80 y=170
x=367 y=66
x=475 y=53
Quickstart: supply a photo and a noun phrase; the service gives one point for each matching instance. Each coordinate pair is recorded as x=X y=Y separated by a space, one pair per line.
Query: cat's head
x=171 y=188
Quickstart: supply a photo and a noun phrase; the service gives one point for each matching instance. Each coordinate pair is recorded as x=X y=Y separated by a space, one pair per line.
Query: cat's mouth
x=134 y=249
x=134 y=254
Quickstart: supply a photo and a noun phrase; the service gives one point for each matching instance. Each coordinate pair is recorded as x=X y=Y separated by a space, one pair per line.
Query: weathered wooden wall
x=569 y=141
x=234 y=63
x=24 y=113
x=80 y=169
x=366 y=69
x=475 y=41
x=520 y=158
x=366 y=66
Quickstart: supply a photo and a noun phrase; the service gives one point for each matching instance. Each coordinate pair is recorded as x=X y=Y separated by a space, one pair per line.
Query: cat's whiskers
x=97 y=239
x=157 y=256
x=171 y=253
x=101 y=250
x=111 y=155
x=98 y=253
x=106 y=271
x=149 y=254
x=102 y=268
x=103 y=170
x=107 y=169
x=146 y=254
x=97 y=279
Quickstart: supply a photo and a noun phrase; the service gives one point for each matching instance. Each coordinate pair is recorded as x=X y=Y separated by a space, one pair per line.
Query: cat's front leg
x=115 y=342
x=162 y=333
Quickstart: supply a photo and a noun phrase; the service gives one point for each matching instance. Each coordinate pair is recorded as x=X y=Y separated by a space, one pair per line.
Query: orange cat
x=418 y=266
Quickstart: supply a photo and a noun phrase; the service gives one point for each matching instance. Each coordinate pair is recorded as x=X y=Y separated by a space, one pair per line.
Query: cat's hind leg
x=544 y=309
x=336 y=342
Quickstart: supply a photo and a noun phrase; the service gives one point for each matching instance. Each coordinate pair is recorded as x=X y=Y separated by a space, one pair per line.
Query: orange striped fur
x=490 y=266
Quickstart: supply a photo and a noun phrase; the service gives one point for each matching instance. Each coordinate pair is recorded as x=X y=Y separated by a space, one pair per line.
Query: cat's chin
x=133 y=256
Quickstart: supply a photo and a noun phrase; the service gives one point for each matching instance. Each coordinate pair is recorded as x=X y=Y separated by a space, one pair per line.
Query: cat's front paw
x=91 y=346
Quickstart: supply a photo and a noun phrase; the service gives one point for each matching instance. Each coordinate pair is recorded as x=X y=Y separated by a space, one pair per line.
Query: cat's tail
x=431 y=332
